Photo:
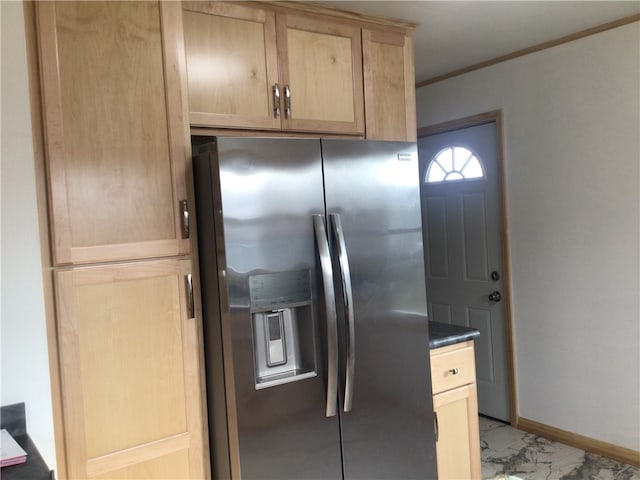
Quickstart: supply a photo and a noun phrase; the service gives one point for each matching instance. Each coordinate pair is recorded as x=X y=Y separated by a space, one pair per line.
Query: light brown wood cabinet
x=456 y=409
x=115 y=140
x=389 y=85
x=263 y=66
x=255 y=68
x=128 y=328
x=232 y=65
x=130 y=371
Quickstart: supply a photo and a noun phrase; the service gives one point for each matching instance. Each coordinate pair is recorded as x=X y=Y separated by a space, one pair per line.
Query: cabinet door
x=116 y=146
x=457 y=438
x=321 y=67
x=232 y=65
x=389 y=86
x=131 y=375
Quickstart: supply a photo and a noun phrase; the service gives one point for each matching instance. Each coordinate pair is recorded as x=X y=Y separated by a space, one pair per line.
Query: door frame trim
x=494 y=116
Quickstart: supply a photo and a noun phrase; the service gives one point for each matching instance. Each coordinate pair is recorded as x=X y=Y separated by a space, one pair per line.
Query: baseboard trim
x=620 y=454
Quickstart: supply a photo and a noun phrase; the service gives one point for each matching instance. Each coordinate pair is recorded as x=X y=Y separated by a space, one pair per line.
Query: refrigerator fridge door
x=272 y=314
x=372 y=189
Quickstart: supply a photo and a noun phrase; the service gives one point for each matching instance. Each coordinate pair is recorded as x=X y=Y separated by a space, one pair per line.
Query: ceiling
x=457 y=34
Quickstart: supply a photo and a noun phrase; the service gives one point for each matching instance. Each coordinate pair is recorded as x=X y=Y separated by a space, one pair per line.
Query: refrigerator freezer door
x=269 y=191
x=389 y=431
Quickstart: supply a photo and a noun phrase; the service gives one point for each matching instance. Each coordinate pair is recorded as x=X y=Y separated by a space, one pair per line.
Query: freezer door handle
x=347 y=293
x=332 y=318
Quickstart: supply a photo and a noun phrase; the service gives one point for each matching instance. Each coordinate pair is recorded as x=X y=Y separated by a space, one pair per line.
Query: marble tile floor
x=510 y=454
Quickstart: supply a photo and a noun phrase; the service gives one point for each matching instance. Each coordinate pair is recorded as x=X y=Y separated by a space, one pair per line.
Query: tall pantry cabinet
x=117 y=151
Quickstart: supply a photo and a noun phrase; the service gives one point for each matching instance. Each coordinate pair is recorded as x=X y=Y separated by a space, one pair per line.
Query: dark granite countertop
x=443 y=334
x=14 y=421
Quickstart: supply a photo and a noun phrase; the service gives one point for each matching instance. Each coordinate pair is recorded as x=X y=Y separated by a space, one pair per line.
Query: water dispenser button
x=276 y=352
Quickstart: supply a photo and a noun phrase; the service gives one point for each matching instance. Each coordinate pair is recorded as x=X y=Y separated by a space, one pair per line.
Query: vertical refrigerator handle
x=332 y=318
x=347 y=293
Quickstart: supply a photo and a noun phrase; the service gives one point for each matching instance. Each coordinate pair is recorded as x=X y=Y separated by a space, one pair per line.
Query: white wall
x=25 y=364
x=572 y=139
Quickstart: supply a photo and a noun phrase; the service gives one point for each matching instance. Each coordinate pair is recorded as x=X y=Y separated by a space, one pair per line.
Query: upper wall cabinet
x=232 y=65
x=116 y=141
x=389 y=85
x=254 y=68
x=321 y=70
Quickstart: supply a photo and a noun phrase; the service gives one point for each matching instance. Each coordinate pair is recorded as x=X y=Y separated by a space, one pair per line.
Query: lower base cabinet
x=456 y=412
x=130 y=371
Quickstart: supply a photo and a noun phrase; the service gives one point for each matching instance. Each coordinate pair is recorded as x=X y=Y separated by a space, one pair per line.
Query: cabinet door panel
x=231 y=65
x=321 y=62
x=116 y=155
x=389 y=86
x=458 y=444
x=130 y=368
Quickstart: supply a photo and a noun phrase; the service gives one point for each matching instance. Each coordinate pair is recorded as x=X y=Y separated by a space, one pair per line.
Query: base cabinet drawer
x=452 y=368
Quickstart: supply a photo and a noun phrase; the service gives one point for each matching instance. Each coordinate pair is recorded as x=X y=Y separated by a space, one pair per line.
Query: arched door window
x=454 y=163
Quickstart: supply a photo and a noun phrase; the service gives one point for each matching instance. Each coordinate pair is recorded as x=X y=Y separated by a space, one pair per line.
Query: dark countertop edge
x=443 y=334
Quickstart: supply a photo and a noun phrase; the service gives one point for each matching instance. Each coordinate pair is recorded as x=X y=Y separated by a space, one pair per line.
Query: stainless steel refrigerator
x=314 y=307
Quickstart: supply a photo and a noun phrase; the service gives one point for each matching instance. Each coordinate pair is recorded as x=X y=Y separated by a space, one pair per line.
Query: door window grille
x=454 y=163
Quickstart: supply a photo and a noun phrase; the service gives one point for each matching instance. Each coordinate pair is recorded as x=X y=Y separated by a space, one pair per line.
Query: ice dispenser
x=283 y=330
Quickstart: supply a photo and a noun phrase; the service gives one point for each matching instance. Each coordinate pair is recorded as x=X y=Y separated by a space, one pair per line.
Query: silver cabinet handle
x=276 y=100
x=435 y=424
x=184 y=207
x=188 y=282
x=332 y=318
x=347 y=293
x=287 y=102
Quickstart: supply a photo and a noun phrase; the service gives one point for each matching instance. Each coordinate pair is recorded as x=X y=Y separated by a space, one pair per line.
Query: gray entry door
x=463 y=252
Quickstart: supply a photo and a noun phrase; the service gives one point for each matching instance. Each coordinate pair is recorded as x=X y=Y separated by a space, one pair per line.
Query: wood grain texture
x=111 y=145
x=410 y=91
x=68 y=346
x=139 y=456
x=322 y=64
x=130 y=352
x=43 y=224
x=215 y=132
x=389 y=91
x=353 y=18
x=461 y=361
x=130 y=365
x=615 y=452
x=458 y=445
x=232 y=65
x=174 y=466
x=455 y=402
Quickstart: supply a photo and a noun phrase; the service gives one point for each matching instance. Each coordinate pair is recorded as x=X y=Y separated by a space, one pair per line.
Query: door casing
x=472 y=121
